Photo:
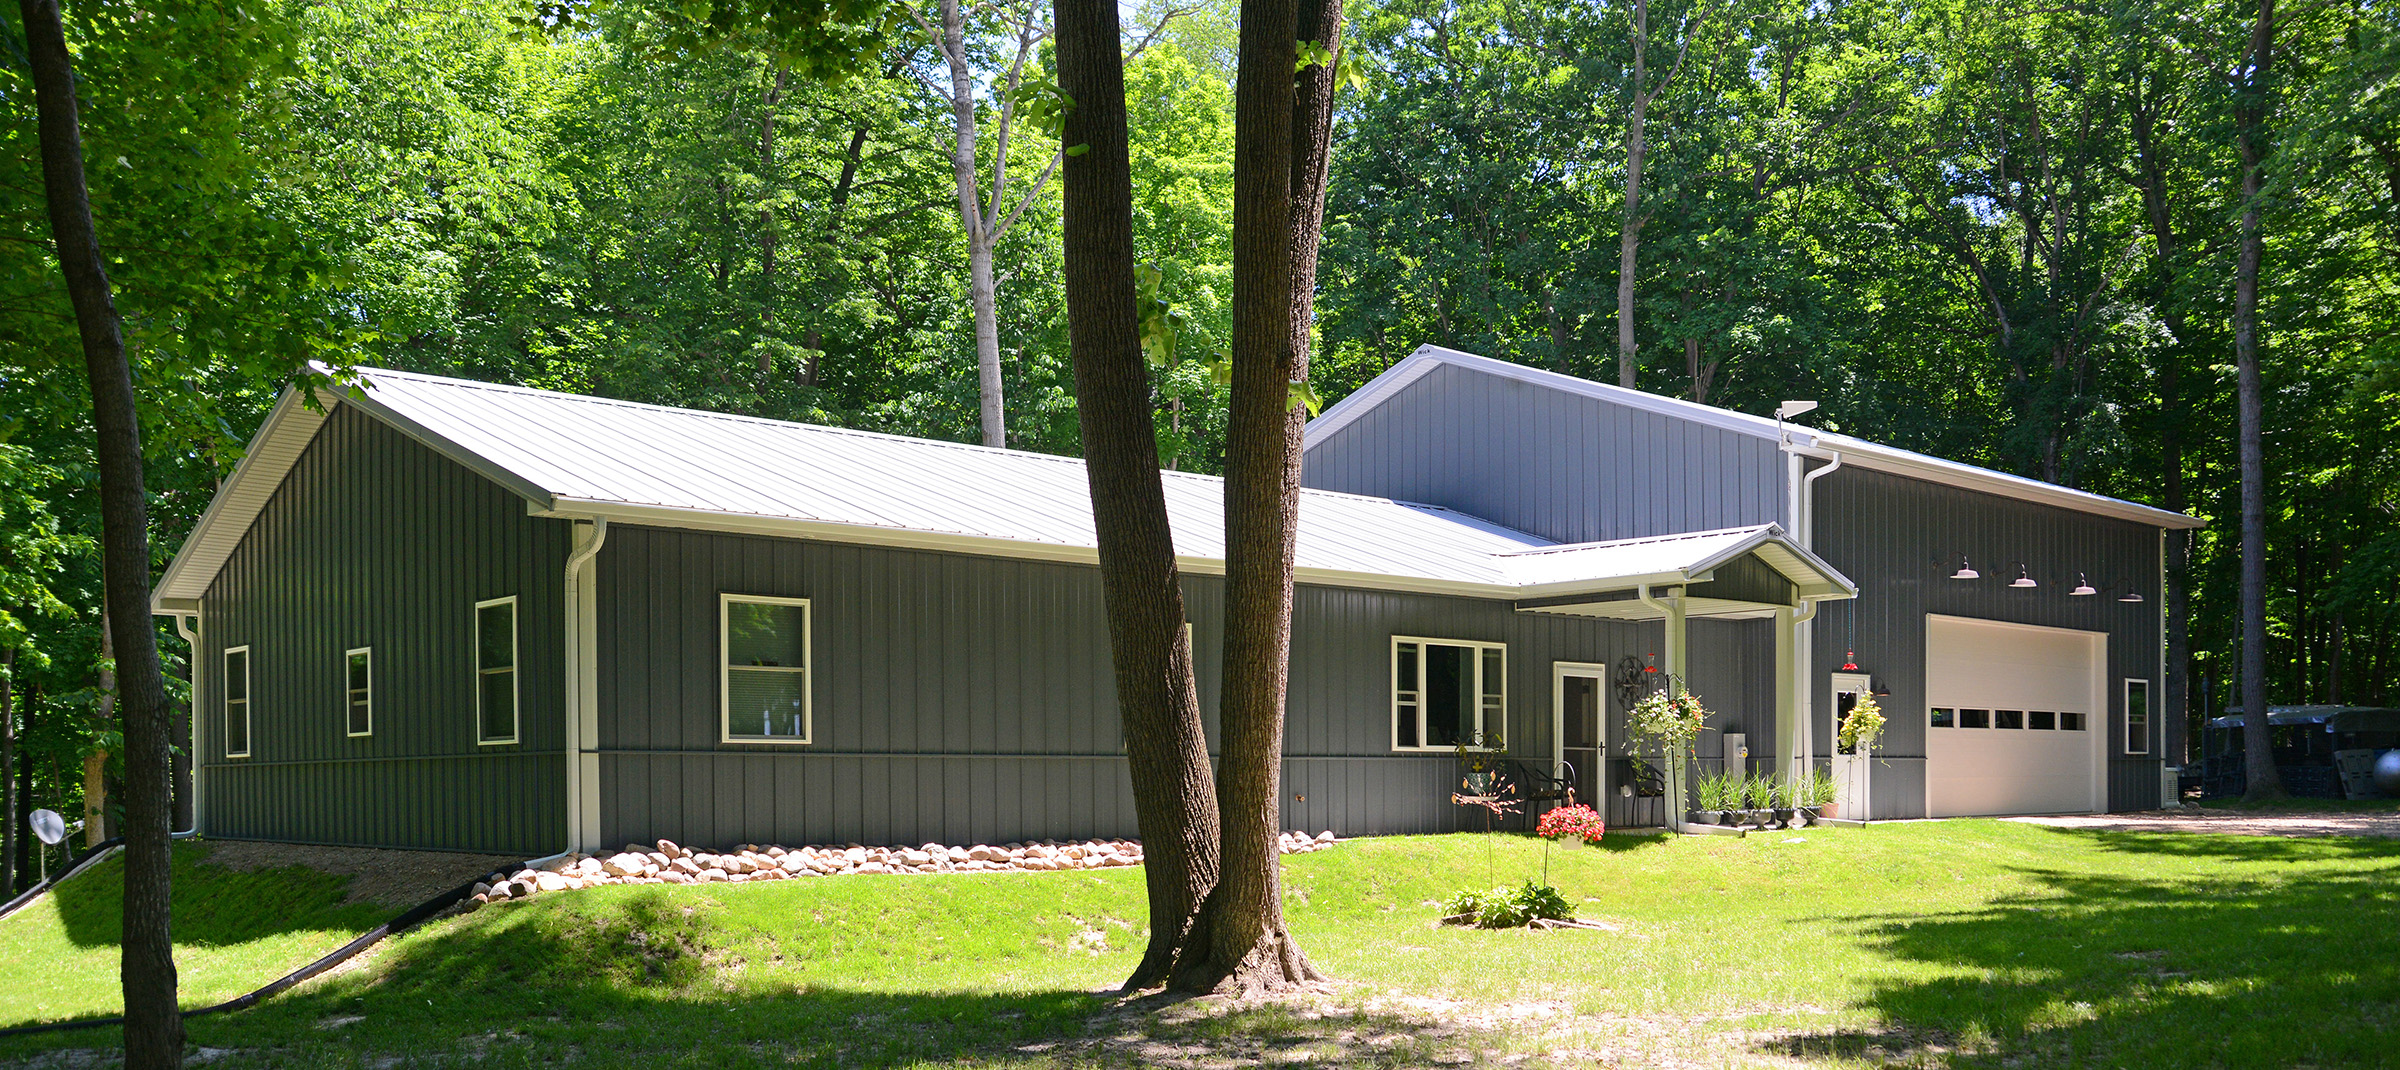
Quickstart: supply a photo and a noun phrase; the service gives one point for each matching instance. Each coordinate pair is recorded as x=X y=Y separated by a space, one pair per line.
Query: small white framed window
x=496 y=671
x=237 y=702
x=358 y=688
x=2137 y=716
x=1446 y=692
x=763 y=669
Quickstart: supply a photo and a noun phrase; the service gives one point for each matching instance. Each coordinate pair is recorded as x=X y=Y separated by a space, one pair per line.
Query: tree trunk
x=153 y=1025
x=766 y=216
x=1629 y=231
x=8 y=773
x=1240 y=936
x=2250 y=113
x=1166 y=749
x=814 y=340
x=95 y=764
x=27 y=868
x=986 y=293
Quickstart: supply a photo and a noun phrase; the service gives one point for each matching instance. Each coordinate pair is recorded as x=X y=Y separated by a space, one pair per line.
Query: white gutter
x=582 y=695
x=1672 y=620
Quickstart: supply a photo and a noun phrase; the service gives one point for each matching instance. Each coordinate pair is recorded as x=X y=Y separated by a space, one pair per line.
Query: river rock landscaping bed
x=670 y=863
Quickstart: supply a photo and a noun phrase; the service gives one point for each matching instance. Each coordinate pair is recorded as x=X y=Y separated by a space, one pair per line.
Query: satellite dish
x=48 y=827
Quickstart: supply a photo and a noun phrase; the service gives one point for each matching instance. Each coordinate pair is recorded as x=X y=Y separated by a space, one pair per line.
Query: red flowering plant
x=1578 y=821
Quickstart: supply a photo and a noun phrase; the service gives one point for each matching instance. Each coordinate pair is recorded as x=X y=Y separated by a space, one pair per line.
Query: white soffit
x=1856 y=452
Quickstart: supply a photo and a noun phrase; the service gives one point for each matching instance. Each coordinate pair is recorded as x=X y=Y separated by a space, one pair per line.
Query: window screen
x=1446 y=693
x=237 y=702
x=766 y=670
x=358 y=676
x=2137 y=716
x=496 y=671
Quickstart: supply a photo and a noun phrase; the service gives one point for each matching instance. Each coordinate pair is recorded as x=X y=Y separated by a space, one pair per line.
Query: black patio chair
x=1649 y=785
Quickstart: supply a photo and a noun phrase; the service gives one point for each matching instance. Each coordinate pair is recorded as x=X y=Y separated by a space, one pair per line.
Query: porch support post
x=1678 y=648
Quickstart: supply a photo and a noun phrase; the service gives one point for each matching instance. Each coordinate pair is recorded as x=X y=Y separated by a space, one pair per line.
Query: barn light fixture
x=1882 y=690
x=2130 y=595
x=2083 y=587
x=1965 y=570
x=2023 y=578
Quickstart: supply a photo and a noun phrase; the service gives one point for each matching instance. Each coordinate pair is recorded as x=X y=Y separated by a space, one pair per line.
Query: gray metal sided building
x=451 y=614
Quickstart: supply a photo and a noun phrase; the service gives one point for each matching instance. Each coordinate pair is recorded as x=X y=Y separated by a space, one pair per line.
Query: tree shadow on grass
x=2266 y=964
x=213 y=906
x=653 y=979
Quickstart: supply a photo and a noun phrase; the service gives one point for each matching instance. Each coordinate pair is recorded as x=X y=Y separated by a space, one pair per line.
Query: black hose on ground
x=408 y=919
x=74 y=865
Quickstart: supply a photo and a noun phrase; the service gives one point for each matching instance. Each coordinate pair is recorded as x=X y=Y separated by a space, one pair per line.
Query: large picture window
x=764 y=687
x=2137 y=716
x=1446 y=692
x=496 y=671
x=358 y=684
x=237 y=702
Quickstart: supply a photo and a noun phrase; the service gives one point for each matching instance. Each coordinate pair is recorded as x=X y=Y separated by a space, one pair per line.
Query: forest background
x=2004 y=235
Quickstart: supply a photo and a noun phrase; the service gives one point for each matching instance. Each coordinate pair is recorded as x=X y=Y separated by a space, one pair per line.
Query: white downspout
x=582 y=715
x=191 y=637
x=1803 y=492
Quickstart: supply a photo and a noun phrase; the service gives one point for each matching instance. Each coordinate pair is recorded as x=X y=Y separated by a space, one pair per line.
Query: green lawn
x=1963 y=943
x=233 y=932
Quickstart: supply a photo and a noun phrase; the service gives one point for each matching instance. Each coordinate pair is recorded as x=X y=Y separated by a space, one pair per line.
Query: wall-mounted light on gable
x=1965 y=571
x=2024 y=579
x=2083 y=587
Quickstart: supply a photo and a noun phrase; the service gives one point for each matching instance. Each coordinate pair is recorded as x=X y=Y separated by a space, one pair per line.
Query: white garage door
x=2016 y=721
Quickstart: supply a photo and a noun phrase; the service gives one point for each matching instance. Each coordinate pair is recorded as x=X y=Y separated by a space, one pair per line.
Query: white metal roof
x=1855 y=451
x=581 y=457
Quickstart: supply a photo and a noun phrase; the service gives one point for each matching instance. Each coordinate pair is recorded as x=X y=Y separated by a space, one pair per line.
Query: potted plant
x=1716 y=798
x=1862 y=726
x=1824 y=794
x=1785 y=798
x=1758 y=797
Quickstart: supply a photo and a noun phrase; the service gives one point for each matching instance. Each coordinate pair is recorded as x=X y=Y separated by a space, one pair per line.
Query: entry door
x=1580 y=701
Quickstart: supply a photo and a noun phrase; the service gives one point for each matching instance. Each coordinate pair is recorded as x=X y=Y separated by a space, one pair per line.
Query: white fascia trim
x=1863 y=453
x=989 y=546
x=288 y=429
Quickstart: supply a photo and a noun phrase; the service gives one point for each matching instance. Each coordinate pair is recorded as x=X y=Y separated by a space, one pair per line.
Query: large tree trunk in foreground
x=153 y=1025
x=1240 y=936
x=2250 y=113
x=8 y=773
x=1166 y=750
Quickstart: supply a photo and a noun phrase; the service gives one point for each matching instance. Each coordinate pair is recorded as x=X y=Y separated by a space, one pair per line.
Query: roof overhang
x=290 y=426
x=1855 y=452
x=1619 y=594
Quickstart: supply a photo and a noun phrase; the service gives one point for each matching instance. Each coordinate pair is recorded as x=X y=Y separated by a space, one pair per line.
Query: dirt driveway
x=2383 y=823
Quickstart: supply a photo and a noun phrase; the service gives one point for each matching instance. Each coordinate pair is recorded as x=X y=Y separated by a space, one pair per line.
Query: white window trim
x=807 y=670
x=349 y=699
x=2149 y=715
x=225 y=701
x=1392 y=678
x=516 y=674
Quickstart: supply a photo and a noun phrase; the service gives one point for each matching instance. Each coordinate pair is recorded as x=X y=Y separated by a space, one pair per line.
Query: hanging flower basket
x=1863 y=725
x=1572 y=826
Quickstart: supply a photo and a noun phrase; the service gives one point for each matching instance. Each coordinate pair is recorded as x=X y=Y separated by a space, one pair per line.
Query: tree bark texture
x=153 y=1024
x=2261 y=777
x=1239 y=937
x=1629 y=232
x=8 y=773
x=95 y=764
x=1158 y=704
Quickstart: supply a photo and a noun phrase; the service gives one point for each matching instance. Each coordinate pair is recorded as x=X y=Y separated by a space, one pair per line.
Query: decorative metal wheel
x=1631 y=680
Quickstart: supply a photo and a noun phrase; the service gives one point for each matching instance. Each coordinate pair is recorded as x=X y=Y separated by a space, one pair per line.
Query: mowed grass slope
x=1969 y=943
x=234 y=931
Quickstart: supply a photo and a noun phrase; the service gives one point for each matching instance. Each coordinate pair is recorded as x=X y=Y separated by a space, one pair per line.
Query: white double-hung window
x=237 y=702
x=764 y=677
x=1448 y=691
x=358 y=679
x=496 y=671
